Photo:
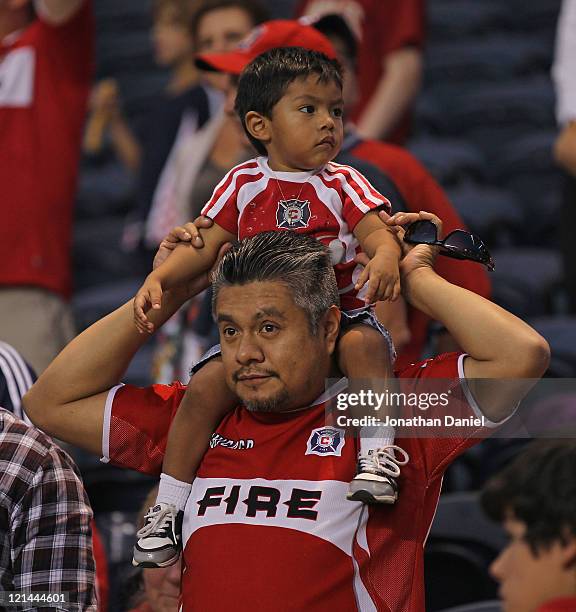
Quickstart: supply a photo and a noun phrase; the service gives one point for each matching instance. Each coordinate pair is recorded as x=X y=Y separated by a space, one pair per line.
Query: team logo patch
x=326 y=441
x=292 y=214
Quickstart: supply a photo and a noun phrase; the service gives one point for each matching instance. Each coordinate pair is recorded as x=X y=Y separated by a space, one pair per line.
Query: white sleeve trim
x=106 y=427
x=472 y=402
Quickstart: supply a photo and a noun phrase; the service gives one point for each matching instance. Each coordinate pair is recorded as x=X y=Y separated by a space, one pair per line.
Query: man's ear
x=258 y=126
x=569 y=552
x=330 y=327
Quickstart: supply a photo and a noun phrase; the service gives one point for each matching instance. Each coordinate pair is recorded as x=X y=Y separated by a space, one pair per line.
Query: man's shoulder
x=26 y=445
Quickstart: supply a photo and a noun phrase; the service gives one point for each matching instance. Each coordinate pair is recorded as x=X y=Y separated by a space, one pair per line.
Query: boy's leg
x=206 y=401
x=365 y=357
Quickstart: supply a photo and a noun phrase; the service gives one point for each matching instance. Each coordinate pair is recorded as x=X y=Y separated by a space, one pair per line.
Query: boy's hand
x=184 y=233
x=383 y=277
x=148 y=296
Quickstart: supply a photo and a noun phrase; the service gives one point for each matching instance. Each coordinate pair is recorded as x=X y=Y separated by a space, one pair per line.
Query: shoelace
x=384 y=459
x=157 y=521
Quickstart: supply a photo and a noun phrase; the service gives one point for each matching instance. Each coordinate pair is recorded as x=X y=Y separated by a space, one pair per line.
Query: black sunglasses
x=459 y=244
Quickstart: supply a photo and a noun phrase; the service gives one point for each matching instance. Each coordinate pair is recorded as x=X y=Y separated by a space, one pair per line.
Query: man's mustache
x=243 y=373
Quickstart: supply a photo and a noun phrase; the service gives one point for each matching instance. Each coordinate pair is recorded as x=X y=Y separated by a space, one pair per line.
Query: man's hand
x=418 y=255
x=565 y=148
x=383 y=278
x=189 y=232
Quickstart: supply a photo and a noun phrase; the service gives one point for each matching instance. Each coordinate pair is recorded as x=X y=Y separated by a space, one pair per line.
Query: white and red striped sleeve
x=358 y=195
x=222 y=207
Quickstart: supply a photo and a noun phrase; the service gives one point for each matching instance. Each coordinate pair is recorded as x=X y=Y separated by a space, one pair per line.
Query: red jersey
x=421 y=192
x=267 y=524
x=380 y=27
x=45 y=78
x=326 y=204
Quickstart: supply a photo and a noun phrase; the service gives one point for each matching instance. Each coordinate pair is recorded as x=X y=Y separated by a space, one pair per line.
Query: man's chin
x=259 y=402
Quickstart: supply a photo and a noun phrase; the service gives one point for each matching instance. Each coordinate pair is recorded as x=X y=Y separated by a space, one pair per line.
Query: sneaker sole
x=367 y=498
x=152 y=564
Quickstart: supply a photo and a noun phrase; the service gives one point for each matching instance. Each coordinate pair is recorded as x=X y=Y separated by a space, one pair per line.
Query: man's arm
x=393 y=95
x=68 y=400
x=499 y=345
x=57 y=12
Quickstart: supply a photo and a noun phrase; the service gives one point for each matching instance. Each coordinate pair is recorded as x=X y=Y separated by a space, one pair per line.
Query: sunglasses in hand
x=458 y=244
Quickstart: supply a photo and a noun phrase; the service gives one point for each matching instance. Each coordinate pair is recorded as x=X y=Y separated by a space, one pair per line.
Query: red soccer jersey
x=325 y=204
x=267 y=524
x=45 y=77
x=421 y=192
x=380 y=26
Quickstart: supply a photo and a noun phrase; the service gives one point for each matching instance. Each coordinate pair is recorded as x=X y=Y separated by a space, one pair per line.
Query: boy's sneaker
x=160 y=539
x=375 y=480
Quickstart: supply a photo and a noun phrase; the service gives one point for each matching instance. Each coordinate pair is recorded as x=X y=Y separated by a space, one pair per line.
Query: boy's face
x=306 y=128
x=528 y=580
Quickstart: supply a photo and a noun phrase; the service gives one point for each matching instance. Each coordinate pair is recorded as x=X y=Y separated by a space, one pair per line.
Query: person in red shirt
x=46 y=63
x=267 y=510
x=389 y=67
x=535 y=499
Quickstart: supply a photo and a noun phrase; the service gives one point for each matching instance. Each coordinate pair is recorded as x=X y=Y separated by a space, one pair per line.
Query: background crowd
x=465 y=109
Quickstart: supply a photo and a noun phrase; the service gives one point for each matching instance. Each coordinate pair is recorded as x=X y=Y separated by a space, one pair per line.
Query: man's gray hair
x=300 y=262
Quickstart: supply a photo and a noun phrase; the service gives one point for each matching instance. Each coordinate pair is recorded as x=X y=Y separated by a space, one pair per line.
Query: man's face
x=271 y=359
x=172 y=42
x=306 y=127
x=526 y=580
x=220 y=31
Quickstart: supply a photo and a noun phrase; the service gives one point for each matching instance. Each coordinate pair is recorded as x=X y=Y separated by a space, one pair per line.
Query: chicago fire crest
x=292 y=214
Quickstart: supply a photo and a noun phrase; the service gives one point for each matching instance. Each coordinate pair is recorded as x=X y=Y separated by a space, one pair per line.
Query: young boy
x=290 y=103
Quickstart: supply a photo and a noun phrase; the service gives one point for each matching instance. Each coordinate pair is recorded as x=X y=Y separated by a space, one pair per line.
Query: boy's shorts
x=364 y=316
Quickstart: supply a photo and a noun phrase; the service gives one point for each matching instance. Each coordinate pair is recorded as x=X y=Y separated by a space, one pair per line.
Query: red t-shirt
x=326 y=204
x=45 y=77
x=420 y=191
x=381 y=26
x=563 y=604
x=267 y=525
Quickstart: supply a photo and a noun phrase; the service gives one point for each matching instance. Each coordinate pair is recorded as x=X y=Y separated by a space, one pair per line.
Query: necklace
x=284 y=198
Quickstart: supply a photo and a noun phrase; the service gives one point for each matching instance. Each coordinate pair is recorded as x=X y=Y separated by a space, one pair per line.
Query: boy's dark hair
x=266 y=79
x=254 y=8
x=538 y=489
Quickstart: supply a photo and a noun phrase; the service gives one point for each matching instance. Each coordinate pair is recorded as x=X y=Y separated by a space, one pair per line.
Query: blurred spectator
x=153 y=589
x=45 y=517
x=564 y=73
x=16 y=377
x=173 y=49
x=535 y=499
x=391 y=35
x=198 y=159
x=45 y=74
x=413 y=189
x=188 y=111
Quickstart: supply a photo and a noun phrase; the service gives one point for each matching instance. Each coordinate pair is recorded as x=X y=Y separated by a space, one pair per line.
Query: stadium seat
x=480 y=606
x=487 y=59
x=450 y=161
x=461 y=545
x=527 y=281
x=493 y=214
x=491 y=114
x=452 y=19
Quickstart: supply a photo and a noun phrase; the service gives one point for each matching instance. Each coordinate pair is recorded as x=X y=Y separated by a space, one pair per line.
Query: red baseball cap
x=269 y=35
